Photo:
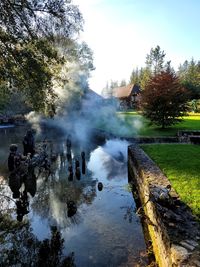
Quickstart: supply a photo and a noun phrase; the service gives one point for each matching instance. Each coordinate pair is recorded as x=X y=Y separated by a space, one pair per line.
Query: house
x=91 y=98
x=128 y=96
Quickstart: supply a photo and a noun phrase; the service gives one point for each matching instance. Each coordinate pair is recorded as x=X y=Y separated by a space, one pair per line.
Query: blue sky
x=121 y=33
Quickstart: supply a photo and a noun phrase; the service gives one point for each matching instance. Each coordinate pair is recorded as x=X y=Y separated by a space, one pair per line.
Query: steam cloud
x=80 y=110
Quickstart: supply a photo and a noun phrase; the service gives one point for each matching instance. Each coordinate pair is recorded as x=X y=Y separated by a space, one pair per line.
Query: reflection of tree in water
x=54 y=194
x=129 y=213
x=50 y=251
x=26 y=250
x=21 y=246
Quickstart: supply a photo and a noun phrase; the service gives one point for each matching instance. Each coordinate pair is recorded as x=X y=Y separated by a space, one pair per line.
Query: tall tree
x=155 y=60
x=28 y=57
x=140 y=76
x=164 y=100
x=123 y=83
x=145 y=75
x=135 y=76
x=189 y=74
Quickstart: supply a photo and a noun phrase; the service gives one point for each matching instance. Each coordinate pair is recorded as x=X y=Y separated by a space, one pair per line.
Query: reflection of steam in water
x=110 y=160
x=115 y=170
x=97 y=216
x=55 y=193
x=117 y=149
x=61 y=213
x=59 y=197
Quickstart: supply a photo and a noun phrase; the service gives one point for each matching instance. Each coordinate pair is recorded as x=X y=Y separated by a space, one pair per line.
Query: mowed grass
x=136 y=124
x=181 y=164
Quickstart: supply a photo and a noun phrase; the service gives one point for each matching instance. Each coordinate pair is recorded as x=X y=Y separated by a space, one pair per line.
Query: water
x=104 y=230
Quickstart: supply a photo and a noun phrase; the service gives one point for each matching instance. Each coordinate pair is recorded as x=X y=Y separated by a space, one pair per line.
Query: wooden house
x=128 y=96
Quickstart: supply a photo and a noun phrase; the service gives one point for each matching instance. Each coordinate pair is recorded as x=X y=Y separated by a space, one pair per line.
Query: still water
x=102 y=231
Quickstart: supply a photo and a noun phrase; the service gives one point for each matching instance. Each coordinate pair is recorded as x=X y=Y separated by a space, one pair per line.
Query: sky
x=122 y=32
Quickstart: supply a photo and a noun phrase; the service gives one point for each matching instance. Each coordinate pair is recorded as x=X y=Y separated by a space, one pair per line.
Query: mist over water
x=85 y=112
x=79 y=110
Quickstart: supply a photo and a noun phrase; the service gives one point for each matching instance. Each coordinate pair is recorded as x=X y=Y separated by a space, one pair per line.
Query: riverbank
x=173 y=229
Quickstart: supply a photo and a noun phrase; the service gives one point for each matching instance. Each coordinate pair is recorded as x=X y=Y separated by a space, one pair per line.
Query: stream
x=102 y=229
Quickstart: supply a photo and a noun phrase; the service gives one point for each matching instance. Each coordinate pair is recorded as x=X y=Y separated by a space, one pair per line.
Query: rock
x=197 y=263
x=187 y=246
x=170 y=215
x=178 y=253
x=192 y=242
x=100 y=186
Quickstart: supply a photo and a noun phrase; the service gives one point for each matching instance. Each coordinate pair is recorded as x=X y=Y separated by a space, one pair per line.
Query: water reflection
x=27 y=250
x=81 y=213
x=110 y=161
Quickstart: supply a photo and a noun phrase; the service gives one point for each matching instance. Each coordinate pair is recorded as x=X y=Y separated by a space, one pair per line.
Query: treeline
x=40 y=54
x=166 y=95
x=188 y=73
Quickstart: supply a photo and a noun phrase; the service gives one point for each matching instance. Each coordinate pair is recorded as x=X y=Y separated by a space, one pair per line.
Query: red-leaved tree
x=164 y=100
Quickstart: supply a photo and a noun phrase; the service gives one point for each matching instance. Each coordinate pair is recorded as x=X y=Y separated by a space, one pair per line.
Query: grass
x=138 y=125
x=130 y=124
x=181 y=164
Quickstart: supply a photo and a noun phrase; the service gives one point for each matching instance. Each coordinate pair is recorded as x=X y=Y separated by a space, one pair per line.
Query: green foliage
x=137 y=125
x=72 y=81
x=135 y=76
x=189 y=73
x=154 y=65
x=140 y=77
x=155 y=60
x=180 y=163
x=29 y=60
x=4 y=96
x=164 y=100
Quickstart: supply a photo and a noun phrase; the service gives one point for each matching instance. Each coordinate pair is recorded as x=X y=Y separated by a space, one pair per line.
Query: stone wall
x=174 y=231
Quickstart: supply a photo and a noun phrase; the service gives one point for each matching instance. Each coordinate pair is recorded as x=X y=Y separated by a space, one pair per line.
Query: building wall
x=130 y=102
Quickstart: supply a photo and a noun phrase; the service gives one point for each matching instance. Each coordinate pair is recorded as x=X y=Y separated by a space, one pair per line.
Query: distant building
x=128 y=96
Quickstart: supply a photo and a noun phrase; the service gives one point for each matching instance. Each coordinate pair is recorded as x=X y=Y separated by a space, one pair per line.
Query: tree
x=123 y=83
x=135 y=76
x=189 y=74
x=72 y=83
x=164 y=100
x=4 y=95
x=145 y=75
x=140 y=76
x=155 y=60
x=29 y=59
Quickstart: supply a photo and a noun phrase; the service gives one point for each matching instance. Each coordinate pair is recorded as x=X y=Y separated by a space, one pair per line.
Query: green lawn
x=138 y=125
x=181 y=164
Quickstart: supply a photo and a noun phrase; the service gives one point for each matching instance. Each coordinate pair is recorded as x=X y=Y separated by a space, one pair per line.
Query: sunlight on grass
x=181 y=164
x=136 y=123
x=130 y=124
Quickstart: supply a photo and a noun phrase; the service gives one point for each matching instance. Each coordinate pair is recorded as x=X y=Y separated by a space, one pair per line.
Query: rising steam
x=80 y=110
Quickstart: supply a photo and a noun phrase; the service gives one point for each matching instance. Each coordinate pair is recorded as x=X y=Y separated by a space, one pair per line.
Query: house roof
x=92 y=94
x=125 y=91
x=91 y=98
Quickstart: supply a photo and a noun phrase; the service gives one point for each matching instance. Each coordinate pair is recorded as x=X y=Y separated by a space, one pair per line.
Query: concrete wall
x=174 y=232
